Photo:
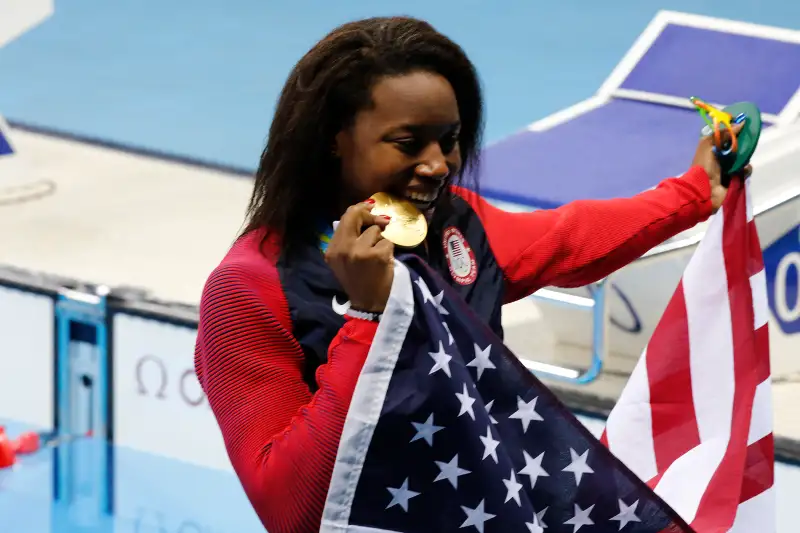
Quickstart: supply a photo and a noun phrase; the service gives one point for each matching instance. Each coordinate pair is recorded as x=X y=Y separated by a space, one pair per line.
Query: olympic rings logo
x=160 y=386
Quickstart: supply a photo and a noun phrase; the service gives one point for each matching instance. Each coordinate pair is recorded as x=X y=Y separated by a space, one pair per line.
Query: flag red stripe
x=759 y=472
x=759 y=469
x=654 y=482
x=668 y=368
x=756 y=257
x=717 y=509
x=762 y=365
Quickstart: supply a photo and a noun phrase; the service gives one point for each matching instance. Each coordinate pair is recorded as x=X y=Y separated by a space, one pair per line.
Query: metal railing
x=598 y=306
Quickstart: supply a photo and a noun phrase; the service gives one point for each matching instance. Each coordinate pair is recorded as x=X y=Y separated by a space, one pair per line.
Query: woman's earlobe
x=341 y=139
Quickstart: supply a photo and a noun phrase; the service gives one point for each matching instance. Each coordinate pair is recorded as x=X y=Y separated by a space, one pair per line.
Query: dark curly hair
x=298 y=174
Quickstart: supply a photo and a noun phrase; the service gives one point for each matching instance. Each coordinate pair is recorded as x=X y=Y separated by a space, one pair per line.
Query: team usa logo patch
x=460 y=257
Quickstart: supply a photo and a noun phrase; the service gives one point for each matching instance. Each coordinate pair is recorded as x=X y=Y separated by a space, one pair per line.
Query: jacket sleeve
x=586 y=240
x=281 y=439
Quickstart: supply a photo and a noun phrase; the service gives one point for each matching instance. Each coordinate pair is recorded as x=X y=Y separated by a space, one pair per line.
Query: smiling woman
x=380 y=105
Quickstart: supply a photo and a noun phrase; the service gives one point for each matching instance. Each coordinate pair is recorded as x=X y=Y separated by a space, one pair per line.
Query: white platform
x=121 y=219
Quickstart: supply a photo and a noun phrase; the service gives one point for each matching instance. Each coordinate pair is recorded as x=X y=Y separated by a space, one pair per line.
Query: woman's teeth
x=422 y=197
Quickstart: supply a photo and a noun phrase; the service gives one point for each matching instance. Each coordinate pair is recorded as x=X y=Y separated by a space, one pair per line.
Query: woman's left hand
x=705 y=157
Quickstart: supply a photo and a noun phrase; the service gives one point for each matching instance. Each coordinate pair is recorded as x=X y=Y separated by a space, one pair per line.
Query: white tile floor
x=121 y=219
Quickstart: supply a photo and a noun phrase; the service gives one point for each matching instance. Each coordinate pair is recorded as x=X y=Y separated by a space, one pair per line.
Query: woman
x=384 y=104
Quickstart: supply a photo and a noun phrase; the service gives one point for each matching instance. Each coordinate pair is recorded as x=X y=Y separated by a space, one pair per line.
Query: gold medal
x=407 y=227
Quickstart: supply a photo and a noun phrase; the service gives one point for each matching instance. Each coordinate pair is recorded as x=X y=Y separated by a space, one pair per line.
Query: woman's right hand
x=361 y=259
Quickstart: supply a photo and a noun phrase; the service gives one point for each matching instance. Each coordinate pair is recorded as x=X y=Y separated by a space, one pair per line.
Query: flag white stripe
x=698 y=464
x=749 y=201
x=758 y=286
x=761 y=423
x=756 y=514
x=708 y=312
x=367 y=402
x=629 y=428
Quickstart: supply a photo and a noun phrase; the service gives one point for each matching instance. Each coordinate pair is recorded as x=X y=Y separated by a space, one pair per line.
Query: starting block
x=638 y=129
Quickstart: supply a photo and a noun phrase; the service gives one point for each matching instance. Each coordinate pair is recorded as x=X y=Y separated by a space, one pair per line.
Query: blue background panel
x=777 y=263
x=619 y=149
x=719 y=67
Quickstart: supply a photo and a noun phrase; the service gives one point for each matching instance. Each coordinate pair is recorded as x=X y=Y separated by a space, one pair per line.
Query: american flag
x=448 y=431
x=456 y=248
x=695 y=418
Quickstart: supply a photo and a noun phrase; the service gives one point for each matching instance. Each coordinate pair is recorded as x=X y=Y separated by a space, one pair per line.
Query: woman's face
x=405 y=144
